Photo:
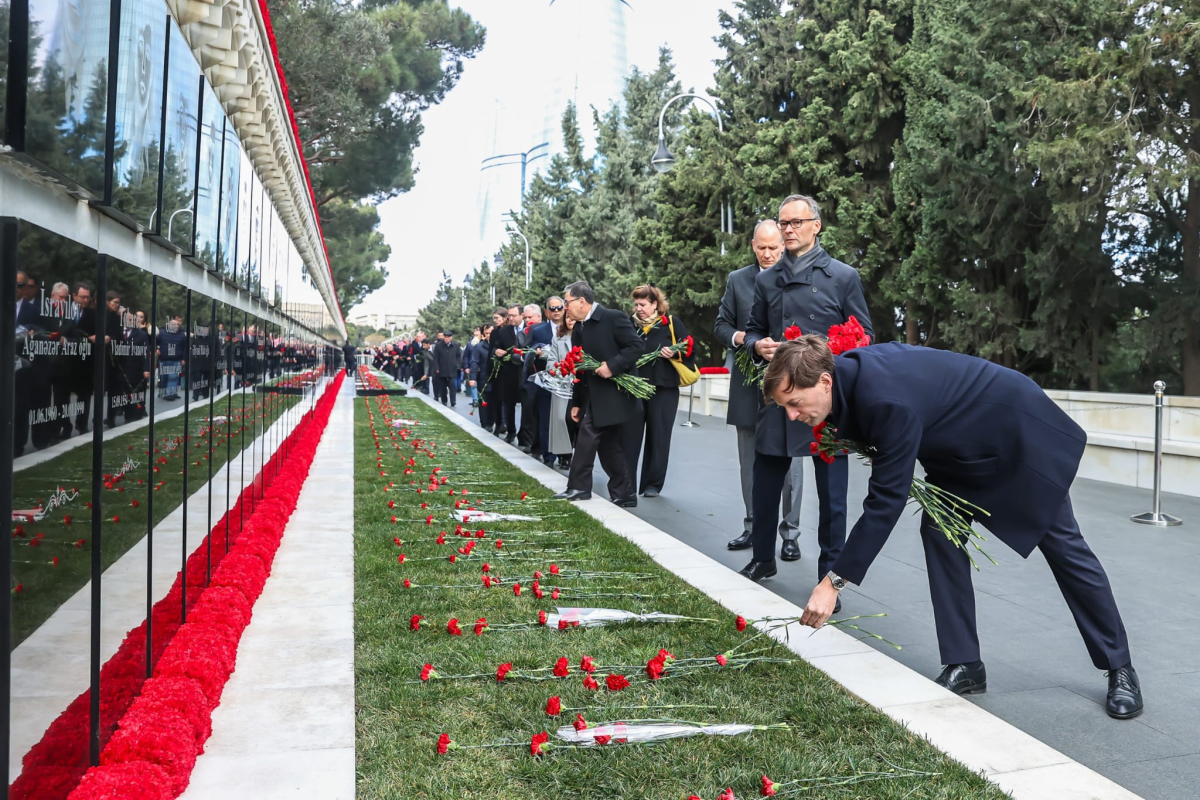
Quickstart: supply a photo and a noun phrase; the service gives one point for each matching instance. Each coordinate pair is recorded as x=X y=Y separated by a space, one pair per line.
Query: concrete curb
x=1021 y=765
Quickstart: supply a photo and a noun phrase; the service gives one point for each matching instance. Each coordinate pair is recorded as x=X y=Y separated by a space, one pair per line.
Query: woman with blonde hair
x=660 y=331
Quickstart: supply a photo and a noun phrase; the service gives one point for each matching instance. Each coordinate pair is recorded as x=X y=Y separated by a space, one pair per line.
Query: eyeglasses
x=784 y=224
x=555 y=308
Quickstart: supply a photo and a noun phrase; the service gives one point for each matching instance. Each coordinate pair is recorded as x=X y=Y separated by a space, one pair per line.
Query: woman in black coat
x=659 y=330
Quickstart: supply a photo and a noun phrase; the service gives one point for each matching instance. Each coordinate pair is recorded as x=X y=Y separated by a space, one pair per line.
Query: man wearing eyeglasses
x=810 y=290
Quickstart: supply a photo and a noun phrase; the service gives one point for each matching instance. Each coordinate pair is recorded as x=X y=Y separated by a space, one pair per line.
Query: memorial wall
x=143 y=400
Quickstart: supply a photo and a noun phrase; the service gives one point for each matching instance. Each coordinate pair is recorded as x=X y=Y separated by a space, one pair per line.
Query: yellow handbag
x=687 y=375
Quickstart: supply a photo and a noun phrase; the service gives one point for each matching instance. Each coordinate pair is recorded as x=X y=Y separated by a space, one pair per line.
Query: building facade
x=583 y=59
x=167 y=300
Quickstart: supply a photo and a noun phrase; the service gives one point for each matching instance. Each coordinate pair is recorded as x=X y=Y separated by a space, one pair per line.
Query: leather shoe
x=790 y=551
x=758 y=570
x=963 y=678
x=650 y=493
x=1124 y=694
x=740 y=543
x=573 y=495
x=626 y=502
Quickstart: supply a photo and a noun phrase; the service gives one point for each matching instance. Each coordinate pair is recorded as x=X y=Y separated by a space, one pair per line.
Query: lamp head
x=662 y=160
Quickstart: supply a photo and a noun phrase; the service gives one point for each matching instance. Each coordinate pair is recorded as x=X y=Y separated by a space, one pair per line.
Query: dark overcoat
x=608 y=337
x=825 y=294
x=983 y=432
x=745 y=399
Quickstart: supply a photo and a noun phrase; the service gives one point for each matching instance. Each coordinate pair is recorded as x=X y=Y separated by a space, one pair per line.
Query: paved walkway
x=285 y=726
x=1040 y=678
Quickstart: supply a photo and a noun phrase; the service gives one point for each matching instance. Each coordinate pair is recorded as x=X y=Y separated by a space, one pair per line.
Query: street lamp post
x=662 y=160
x=511 y=226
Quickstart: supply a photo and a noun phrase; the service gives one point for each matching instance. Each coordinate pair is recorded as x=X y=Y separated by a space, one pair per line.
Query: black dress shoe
x=509 y=439
x=650 y=493
x=573 y=495
x=758 y=570
x=790 y=551
x=1124 y=694
x=525 y=449
x=963 y=678
x=626 y=502
x=740 y=543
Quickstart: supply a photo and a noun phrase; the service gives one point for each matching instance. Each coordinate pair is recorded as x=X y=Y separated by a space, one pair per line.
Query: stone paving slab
x=1020 y=763
x=285 y=726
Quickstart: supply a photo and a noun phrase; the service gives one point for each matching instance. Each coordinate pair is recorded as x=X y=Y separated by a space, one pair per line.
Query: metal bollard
x=1156 y=517
x=691 y=398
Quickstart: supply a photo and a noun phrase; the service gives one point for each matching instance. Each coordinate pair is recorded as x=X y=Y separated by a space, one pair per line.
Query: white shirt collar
x=591 y=311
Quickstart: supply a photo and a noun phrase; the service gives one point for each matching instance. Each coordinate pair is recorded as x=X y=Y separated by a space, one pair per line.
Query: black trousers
x=544 y=400
x=1081 y=579
x=443 y=389
x=608 y=443
x=527 y=433
x=770 y=472
x=508 y=391
x=655 y=426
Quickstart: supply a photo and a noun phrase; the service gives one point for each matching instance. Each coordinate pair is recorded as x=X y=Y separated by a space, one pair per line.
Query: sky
x=433 y=227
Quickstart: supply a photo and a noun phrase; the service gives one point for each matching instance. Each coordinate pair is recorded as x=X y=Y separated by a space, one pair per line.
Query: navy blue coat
x=540 y=335
x=986 y=433
x=828 y=293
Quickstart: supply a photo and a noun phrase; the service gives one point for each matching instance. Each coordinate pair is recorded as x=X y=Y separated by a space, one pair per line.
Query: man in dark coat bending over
x=982 y=432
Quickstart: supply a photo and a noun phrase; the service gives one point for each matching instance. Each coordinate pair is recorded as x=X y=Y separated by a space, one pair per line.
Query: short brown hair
x=654 y=294
x=798 y=364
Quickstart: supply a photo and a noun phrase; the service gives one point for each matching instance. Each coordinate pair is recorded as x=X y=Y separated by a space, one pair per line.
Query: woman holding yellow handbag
x=671 y=365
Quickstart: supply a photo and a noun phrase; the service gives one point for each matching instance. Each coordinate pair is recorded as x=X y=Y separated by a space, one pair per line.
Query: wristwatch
x=838 y=581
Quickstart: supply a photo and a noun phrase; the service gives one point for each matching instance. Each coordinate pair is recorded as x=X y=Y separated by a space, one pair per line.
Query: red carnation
x=554 y=594
x=487 y=582
x=480 y=626
x=393 y=520
x=741 y=623
x=654 y=668
x=616 y=682
x=453 y=557
x=538 y=593
x=487 y=567
x=792 y=333
x=726 y=795
x=537 y=575
x=580 y=723
x=414 y=624
x=396 y=541
x=538 y=742
x=603 y=739
x=453 y=629
x=554 y=706
x=768 y=787
x=562 y=624
x=587 y=664
x=499 y=543
x=444 y=744
x=813 y=447
x=590 y=683
x=554 y=569
x=503 y=670
x=428 y=672
x=400 y=560
x=524 y=495
x=541 y=618
x=562 y=667
x=429 y=520
x=407 y=583
x=665 y=655
x=722 y=659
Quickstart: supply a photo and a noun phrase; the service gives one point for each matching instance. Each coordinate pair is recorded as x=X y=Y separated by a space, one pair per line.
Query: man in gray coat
x=745 y=399
x=812 y=291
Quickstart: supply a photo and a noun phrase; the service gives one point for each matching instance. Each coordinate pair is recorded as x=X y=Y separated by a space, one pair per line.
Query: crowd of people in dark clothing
x=497 y=368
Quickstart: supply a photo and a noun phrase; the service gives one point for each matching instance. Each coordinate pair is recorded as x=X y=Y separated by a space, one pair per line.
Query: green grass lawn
x=46 y=586
x=399 y=718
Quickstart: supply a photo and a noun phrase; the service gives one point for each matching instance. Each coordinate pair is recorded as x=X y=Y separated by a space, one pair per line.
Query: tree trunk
x=912 y=334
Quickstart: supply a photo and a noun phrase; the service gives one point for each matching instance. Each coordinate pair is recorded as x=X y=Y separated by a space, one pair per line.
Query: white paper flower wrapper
x=651 y=732
x=595 y=617
x=558 y=385
x=396 y=423
x=463 y=515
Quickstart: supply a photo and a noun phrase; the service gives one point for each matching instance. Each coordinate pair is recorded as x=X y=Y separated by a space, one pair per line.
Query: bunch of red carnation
x=847 y=336
x=570 y=362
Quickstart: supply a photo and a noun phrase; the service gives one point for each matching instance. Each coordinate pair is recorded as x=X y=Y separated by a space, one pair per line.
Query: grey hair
x=553 y=297
x=533 y=308
x=769 y=224
x=60 y=286
x=813 y=208
x=582 y=290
